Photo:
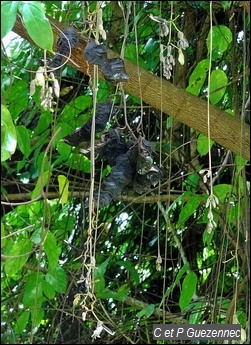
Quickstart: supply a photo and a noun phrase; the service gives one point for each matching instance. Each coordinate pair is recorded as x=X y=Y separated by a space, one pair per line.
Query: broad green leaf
x=134 y=273
x=21 y=251
x=33 y=290
x=222 y=191
x=57 y=278
x=132 y=55
x=37 y=25
x=240 y=163
x=188 y=290
x=37 y=315
x=207 y=236
x=221 y=38
x=147 y=311
x=202 y=144
x=41 y=182
x=64 y=150
x=75 y=107
x=79 y=162
x=8 y=134
x=63 y=189
x=21 y=322
x=218 y=82
x=18 y=99
x=51 y=249
x=45 y=120
x=198 y=77
x=23 y=140
x=36 y=236
x=48 y=290
x=189 y=208
x=8 y=16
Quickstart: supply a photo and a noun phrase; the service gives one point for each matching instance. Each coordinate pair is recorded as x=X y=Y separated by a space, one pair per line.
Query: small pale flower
x=181 y=57
x=98 y=330
x=183 y=42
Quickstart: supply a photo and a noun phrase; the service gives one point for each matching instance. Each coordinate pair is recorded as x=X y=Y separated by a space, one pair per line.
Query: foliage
x=178 y=253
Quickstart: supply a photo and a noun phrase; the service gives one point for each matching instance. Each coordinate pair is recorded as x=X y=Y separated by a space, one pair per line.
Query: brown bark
x=228 y=131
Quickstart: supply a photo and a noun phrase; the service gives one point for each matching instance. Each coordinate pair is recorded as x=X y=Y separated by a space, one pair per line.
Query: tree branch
x=228 y=131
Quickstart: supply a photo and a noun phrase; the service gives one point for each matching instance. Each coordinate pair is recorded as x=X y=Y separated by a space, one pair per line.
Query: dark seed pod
x=95 y=53
x=114 y=70
x=103 y=112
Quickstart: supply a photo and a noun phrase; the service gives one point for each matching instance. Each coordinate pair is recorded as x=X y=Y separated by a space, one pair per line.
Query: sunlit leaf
x=8 y=134
x=41 y=182
x=19 y=253
x=188 y=290
x=8 y=16
x=63 y=184
x=23 y=140
x=198 y=77
x=57 y=278
x=221 y=38
x=189 y=208
x=203 y=145
x=21 y=322
x=218 y=81
x=37 y=25
x=51 y=249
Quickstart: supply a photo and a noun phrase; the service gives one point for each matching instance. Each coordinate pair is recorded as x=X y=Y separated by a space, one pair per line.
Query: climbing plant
x=125 y=181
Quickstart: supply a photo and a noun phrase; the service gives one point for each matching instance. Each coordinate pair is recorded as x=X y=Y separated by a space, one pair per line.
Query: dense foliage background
x=178 y=253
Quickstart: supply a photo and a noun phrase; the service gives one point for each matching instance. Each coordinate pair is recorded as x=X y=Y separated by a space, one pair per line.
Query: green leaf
x=134 y=273
x=21 y=322
x=75 y=107
x=189 y=209
x=51 y=250
x=132 y=55
x=99 y=276
x=79 y=162
x=37 y=25
x=33 y=291
x=222 y=191
x=197 y=312
x=202 y=144
x=198 y=77
x=218 y=80
x=48 y=289
x=21 y=252
x=8 y=134
x=63 y=189
x=240 y=163
x=23 y=140
x=18 y=98
x=41 y=182
x=221 y=38
x=8 y=16
x=147 y=311
x=57 y=279
x=37 y=315
x=188 y=290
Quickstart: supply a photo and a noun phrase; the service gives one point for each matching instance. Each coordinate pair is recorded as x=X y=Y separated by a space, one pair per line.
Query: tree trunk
x=228 y=131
